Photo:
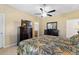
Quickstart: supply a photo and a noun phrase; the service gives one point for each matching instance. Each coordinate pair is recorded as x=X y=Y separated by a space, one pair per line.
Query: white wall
x=71 y=27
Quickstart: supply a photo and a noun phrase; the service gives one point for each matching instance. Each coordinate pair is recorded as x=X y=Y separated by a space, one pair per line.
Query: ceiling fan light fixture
x=44 y=14
x=44 y=11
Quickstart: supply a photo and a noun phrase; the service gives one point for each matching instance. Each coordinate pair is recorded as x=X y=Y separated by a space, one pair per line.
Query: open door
x=2 y=30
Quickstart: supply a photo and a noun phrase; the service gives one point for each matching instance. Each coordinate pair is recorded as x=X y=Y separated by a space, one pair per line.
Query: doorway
x=2 y=30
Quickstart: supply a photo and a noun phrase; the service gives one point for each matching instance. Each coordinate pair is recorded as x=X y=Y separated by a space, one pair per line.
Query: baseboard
x=10 y=45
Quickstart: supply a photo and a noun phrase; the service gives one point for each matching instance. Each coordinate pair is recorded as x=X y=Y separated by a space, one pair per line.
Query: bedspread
x=44 y=45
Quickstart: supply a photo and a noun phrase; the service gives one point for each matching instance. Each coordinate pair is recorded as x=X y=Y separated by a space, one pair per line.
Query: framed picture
x=52 y=25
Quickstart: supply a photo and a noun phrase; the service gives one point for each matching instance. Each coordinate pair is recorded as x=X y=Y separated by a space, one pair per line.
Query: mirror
x=52 y=25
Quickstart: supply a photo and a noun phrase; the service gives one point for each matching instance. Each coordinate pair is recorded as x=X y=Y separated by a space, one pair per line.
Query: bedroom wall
x=61 y=19
x=14 y=16
x=13 y=19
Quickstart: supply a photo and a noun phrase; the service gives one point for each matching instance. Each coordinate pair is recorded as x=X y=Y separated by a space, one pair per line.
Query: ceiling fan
x=44 y=12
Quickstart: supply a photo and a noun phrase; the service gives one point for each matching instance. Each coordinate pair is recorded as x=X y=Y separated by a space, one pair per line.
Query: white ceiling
x=35 y=8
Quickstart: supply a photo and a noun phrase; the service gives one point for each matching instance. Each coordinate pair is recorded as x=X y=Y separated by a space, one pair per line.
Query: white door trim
x=3 y=29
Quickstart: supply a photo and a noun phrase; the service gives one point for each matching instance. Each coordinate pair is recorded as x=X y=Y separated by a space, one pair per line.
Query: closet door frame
x=4 y=27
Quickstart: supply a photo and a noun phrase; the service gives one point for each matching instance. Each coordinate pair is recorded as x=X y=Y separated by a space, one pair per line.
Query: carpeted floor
x=13 y=51
x=8 y=51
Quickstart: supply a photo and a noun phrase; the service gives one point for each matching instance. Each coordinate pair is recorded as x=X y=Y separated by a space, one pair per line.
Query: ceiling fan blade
x=37 y=13
x=51 y=11
x=49 y=15
x=41 y=9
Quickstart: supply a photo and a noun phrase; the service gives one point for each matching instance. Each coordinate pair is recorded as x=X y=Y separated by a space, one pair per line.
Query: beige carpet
x=13 y=51
x=8 y=51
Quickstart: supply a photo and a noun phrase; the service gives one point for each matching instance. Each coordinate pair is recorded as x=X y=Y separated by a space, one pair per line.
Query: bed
x=45 y=45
